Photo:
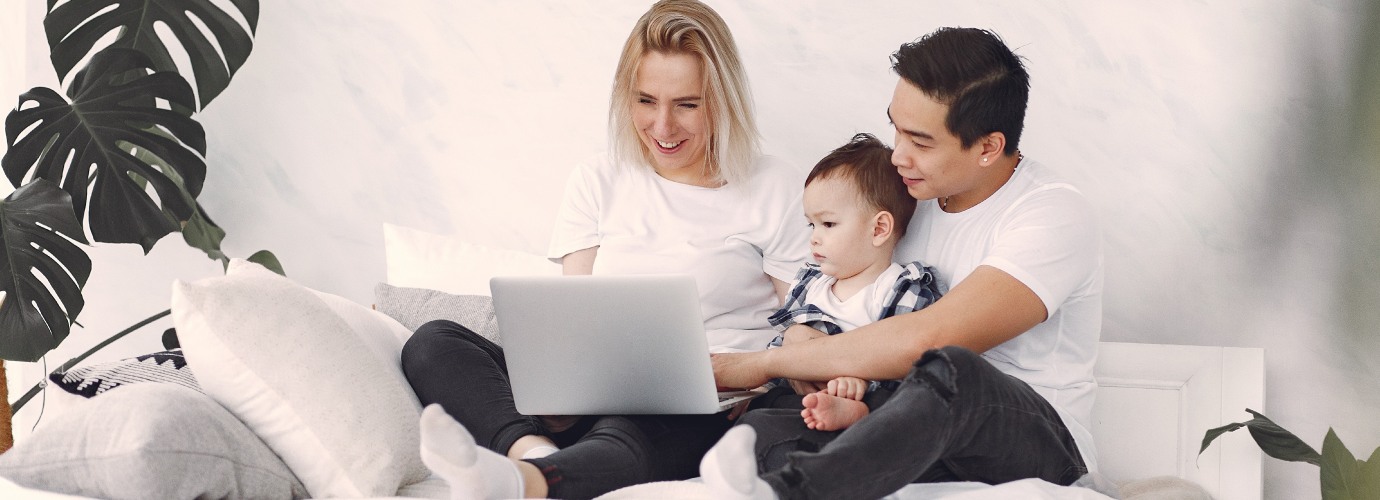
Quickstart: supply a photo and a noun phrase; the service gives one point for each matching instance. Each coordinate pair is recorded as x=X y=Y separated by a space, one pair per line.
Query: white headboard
x=1154 y=402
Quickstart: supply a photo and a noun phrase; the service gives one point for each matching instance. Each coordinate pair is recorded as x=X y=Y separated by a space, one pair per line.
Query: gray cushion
x=413 y=307
x=149 y=441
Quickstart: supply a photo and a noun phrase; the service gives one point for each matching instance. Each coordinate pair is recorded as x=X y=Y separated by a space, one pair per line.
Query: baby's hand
x=847 y=387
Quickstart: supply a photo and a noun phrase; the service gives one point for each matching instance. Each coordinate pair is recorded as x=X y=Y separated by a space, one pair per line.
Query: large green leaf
x=1279 y=443
x=1339 y=468
x=114 y=103
x=33 y=221
x=199 y=231
x=1213 y=434
x=1273 y=439
x=267 y=259
x=1344 y=477
x=72 y=32
x=1370 y=476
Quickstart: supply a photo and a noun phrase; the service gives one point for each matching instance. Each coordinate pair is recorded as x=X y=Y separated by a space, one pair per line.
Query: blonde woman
x=683 y=189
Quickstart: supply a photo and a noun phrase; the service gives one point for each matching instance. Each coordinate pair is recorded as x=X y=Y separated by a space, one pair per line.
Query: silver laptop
x=606 y=345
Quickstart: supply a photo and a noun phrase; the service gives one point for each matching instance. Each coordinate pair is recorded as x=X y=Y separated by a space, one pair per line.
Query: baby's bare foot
x=831 y=413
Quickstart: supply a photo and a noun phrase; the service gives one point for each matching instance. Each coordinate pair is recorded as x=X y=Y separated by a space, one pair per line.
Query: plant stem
x=6 y=434
x=73 y=362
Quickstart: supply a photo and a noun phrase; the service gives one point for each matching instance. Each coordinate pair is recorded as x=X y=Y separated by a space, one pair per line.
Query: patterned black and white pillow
x=167 y=367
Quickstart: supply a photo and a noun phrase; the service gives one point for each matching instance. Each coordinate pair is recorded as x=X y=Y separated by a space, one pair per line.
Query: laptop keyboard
x=727 y=395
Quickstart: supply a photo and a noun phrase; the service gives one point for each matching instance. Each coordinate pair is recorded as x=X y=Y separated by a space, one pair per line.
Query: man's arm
x=986 y=309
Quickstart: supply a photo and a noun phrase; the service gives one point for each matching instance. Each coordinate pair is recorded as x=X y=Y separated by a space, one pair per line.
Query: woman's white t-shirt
x=1041 y=231
x=730 y=239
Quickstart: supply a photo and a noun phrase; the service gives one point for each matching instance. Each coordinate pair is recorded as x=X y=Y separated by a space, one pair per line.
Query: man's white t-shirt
x=1041 y=231
x=862 y=308
x=729 y=238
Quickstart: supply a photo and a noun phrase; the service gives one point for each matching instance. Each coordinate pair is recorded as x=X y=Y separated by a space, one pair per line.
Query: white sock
x=730 y=468
x=473 y=472
x=539 y=451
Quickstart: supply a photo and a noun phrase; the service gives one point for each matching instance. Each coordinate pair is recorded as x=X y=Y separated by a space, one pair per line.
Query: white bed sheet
x=9 y=491
x=1033 y=489
x=1026 y=489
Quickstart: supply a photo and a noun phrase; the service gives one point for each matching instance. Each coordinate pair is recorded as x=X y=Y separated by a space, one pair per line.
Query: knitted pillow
x=413 y=307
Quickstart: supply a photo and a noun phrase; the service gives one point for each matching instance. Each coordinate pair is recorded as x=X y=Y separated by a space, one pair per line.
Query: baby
x=858 y=209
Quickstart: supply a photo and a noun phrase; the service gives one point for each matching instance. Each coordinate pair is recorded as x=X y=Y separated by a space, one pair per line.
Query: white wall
x=1212 y=138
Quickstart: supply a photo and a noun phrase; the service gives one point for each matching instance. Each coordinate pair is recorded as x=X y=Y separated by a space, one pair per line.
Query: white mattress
x=1033 y=489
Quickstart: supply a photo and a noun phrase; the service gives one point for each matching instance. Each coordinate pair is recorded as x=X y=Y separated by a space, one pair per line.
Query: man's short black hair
x=973 y=72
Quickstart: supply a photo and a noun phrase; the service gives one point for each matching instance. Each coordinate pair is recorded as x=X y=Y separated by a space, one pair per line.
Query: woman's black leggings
x=467 y=375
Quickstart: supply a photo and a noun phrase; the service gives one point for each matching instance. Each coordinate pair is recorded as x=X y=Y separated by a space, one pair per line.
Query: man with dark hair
x=1003 y=386
x=972 y=72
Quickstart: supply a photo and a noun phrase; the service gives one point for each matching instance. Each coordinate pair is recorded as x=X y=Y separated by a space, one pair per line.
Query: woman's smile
x=670 y=117
x=668 y=147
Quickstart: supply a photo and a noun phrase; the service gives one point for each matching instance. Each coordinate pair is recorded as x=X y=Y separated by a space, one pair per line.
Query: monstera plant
x=119 y=154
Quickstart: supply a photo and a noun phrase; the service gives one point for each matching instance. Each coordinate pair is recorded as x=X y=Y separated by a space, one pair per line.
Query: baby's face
x=841 y=227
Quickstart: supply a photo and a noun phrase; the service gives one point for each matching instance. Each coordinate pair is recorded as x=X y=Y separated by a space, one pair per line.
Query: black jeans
x=467 y=375
x=955 y=417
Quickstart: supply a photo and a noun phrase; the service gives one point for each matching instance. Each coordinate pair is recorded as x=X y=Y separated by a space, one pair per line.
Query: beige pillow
x=418 y=259
x=276 y=355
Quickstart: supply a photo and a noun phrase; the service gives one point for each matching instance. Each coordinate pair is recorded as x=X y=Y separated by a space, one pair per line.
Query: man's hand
x=738 y=370
x=847 y=387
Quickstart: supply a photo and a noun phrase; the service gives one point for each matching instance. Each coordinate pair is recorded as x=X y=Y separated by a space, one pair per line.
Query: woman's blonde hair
x=690 y=27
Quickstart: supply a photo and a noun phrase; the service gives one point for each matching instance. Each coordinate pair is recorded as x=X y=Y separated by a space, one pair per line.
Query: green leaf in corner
x=265 y=258
x=1340 y=471
x=1370 y=477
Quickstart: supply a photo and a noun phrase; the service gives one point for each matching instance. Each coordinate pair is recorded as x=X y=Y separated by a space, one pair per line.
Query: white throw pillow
x=380 y=332
x=418 y=259
x=278 y=357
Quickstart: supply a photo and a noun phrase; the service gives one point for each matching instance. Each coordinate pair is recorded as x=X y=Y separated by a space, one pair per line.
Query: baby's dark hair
x=865 y=162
